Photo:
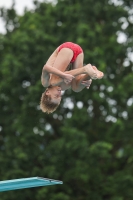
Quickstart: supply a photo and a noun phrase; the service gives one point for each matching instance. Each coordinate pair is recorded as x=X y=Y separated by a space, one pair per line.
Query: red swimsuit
x=74 y=47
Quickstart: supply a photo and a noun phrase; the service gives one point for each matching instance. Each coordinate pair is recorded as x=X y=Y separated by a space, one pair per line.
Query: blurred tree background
x=87 y=143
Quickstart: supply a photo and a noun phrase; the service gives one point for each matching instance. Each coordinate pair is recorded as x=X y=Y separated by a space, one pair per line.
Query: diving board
x=22 y=183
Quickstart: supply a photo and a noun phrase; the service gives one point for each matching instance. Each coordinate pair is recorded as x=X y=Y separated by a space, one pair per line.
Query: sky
x=19 y=6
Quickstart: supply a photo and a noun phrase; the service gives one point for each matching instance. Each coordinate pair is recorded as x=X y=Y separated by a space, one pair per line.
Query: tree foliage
x=87 y=143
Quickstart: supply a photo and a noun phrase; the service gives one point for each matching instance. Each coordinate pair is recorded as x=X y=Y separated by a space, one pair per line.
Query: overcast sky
x=19 y=6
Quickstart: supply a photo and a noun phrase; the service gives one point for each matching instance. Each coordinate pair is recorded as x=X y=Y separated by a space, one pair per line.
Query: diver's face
x=55 y=93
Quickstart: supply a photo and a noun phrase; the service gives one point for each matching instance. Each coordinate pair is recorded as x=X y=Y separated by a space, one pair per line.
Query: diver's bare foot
x=99 y=73
x=92 y=72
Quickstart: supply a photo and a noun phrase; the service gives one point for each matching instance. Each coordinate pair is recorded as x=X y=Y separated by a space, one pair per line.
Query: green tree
x=87 y=142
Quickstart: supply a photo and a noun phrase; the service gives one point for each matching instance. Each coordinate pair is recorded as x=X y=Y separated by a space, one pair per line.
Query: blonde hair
x=46 y=105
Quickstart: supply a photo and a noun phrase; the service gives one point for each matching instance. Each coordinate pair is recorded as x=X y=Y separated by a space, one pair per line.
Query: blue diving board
x=22 y=183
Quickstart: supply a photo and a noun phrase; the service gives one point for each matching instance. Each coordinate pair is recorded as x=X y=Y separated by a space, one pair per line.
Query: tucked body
x=63 y=70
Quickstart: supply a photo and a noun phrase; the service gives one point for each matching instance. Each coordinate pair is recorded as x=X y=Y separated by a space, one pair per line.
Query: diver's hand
x=87 y=83
x=67 y=78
